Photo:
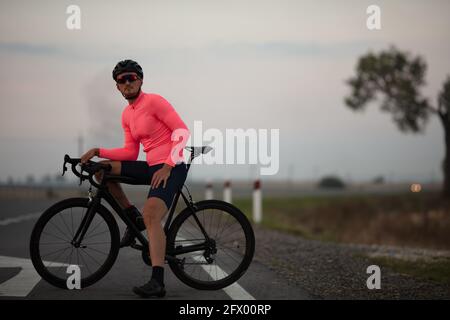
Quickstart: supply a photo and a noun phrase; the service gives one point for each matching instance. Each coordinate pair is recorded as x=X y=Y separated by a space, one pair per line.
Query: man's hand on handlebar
x=88 y=155
x=88 y=168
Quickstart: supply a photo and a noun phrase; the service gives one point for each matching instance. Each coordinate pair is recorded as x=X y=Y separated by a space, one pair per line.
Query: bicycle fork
x=86 y=221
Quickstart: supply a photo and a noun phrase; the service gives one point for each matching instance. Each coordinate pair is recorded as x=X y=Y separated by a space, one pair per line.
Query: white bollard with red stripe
x=209 y=194
x=257 y=202
x=227 y=191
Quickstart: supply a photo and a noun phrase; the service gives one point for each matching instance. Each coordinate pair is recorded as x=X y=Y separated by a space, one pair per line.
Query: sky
x=229 y=64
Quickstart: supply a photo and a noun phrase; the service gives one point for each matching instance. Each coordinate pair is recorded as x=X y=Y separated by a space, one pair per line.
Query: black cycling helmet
x=127 y=66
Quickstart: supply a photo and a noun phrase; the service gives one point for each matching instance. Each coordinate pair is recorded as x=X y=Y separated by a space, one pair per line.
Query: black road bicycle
x=210 y=243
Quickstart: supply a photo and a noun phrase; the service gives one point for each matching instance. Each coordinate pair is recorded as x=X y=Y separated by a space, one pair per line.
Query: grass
x=416 y=220
x=438 y=270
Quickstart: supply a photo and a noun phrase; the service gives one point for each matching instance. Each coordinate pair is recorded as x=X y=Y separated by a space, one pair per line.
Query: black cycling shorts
x=143 y=173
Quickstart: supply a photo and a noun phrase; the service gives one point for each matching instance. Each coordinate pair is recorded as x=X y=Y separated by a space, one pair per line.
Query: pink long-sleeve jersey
x=150 y=120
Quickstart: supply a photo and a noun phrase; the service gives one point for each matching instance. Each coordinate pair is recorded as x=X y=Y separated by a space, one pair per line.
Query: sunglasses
x=128 y=77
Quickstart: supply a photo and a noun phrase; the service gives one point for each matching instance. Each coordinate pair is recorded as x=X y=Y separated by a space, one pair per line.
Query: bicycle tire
x=228 y=208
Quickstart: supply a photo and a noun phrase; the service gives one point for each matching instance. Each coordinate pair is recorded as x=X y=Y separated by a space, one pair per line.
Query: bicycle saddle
x=196 y=151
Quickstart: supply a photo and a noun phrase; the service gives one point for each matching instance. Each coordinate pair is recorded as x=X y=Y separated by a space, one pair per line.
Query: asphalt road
x=19 y=280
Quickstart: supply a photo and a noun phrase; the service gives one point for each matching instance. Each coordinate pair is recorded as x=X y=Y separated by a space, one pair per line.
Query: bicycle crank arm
x=137 y=246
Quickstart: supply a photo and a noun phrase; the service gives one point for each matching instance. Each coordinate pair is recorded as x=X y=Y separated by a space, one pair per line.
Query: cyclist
x=151 y=120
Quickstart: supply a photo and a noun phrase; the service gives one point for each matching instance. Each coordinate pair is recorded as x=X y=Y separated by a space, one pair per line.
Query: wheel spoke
x=64 y=222
x=91 y=257
x=56 y=260
x=95 y=235
x=52 y=243
x=62 y=233
x=53 y=252
x=92 y=230
x=97 y=251
x=71 y=218
x=84 y=261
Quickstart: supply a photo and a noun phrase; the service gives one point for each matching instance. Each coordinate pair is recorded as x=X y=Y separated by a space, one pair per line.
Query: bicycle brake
x=81 y=175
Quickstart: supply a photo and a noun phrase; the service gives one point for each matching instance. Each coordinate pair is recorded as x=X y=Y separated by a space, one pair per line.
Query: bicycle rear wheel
x=217 y=260
x=52 y=250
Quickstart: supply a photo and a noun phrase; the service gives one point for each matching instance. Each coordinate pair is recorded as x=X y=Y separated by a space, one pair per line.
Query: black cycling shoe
x=128 y=237
x=150 y=289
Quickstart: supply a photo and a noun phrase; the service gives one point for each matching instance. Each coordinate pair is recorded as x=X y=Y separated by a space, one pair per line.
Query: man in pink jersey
x=150 y=120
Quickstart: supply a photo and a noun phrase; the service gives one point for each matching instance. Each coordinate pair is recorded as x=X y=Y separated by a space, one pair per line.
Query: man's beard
x=132 y=96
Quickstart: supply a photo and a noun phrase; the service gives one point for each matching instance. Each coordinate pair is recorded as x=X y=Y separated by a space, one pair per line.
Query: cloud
x=218 y=50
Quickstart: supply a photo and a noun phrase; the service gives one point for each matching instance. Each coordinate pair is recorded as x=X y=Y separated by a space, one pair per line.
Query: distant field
x=366 y=215
x=409 y=219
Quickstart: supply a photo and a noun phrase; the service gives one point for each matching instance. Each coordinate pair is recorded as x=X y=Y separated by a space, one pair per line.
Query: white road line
x=234 y=291
x=22 y=284
x=20 y=218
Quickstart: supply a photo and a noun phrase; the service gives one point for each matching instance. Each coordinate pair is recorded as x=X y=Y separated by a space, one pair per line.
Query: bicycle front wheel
x=213 y=246
x=52 y=248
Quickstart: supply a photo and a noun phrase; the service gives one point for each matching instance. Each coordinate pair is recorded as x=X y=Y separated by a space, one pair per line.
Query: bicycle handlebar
x=91 y=167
